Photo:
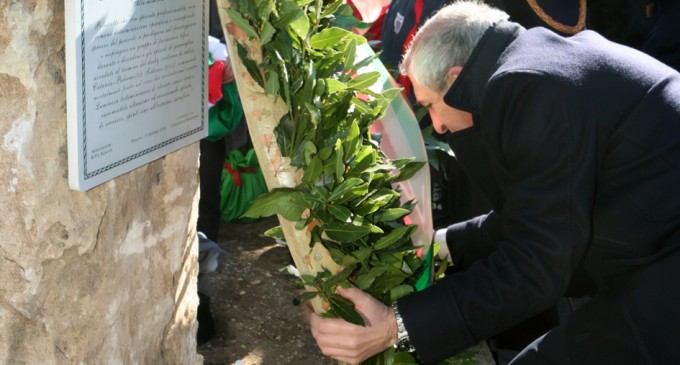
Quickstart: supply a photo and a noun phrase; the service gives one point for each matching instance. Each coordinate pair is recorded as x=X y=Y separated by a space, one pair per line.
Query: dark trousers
x=211 y=163
x=210 y=172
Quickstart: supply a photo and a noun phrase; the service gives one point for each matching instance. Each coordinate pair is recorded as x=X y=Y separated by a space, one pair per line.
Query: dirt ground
x=256 y=306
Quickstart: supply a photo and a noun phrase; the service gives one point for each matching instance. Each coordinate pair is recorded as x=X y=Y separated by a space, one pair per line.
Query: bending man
x=576 y=143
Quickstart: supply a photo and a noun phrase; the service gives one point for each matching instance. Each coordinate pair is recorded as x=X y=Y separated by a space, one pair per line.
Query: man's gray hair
x=446 y=40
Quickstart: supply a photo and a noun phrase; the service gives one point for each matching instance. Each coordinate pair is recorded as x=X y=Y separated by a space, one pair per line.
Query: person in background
x=576 y=143
x=226 y=130
x=652 y=26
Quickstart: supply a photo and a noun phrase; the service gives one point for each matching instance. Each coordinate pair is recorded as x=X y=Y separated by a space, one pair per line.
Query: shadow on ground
x=255 y=306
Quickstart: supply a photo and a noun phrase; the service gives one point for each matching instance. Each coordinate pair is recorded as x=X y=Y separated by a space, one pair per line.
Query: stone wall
x=101 y=277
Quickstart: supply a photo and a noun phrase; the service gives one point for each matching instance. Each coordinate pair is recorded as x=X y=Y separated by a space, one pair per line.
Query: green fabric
x=237 y=199
x=224 y=116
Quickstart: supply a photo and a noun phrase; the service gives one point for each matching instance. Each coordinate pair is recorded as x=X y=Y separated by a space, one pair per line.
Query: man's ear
x=453 y=73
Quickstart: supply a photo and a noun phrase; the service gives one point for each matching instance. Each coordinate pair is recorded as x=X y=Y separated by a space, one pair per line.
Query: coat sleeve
x=472 y=240
x=544 y=153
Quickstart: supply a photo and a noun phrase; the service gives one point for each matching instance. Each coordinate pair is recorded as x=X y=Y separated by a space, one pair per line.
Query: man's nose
x=437 y=124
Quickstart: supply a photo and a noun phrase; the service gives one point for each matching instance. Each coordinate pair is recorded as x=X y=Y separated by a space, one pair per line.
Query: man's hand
x=351 y=343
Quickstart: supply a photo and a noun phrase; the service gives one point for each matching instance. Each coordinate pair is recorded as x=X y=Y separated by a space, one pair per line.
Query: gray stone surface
x=101 y=277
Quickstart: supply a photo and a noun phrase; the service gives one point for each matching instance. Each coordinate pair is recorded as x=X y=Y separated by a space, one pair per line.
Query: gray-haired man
x=576 y=143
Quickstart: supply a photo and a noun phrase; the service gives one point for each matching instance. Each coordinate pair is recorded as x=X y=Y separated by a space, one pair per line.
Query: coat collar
x=467 y=91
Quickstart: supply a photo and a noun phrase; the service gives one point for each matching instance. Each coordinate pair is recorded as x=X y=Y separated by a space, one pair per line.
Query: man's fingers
x=362 y=301
x=337 y=346
x=348 y=342
x=352 y=294
x=308 y=311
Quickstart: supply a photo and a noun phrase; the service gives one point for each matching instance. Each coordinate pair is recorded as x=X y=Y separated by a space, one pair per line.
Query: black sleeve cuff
x=434 y=324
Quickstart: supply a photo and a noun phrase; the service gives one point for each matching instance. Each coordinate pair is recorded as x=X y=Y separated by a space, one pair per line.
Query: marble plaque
x=136 y=83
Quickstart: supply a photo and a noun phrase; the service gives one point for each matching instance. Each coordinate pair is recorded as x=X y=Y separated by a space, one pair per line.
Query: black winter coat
x=576 y=142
